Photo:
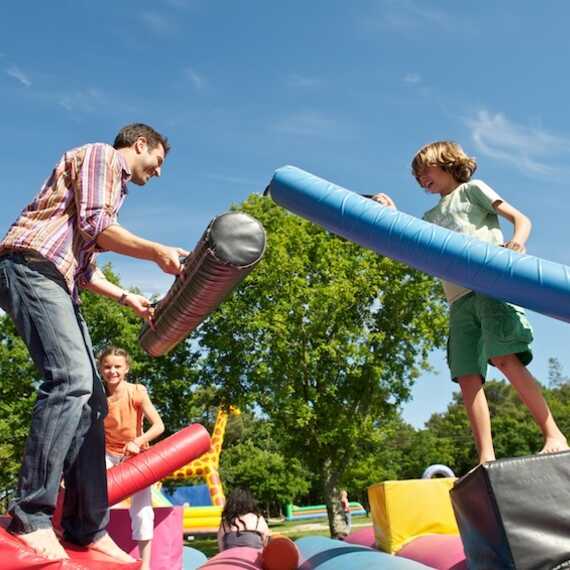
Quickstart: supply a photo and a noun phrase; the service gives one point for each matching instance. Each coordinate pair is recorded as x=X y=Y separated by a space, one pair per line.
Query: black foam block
x=515 y=513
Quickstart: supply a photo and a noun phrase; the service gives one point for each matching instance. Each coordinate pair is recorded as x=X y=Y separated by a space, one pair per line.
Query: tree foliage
x=556 y=375
x=514 y=431
x=326 y=338
x=18 y=379
x=254 y=458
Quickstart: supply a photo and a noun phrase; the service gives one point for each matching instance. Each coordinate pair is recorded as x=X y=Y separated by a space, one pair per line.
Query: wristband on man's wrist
x=123 y=299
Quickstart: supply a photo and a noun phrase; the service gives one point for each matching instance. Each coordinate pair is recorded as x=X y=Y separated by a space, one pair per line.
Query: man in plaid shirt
x=47 y=255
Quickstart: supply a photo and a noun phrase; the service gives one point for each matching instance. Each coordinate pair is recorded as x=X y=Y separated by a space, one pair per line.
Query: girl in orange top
x=129 y=404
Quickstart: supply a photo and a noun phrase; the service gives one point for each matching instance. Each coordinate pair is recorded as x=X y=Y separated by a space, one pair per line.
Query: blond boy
x=481 y=329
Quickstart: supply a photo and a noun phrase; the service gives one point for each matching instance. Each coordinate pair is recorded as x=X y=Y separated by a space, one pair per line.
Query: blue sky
x=346 y=90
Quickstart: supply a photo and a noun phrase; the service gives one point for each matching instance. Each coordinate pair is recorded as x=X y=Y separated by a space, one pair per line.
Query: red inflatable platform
x=15 y=554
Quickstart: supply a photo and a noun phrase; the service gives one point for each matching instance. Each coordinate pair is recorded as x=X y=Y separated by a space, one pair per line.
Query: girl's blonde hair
x=449 y=156
x=114 y=351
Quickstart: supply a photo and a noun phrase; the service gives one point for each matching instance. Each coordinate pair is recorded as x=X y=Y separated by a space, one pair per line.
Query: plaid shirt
x=79 y=200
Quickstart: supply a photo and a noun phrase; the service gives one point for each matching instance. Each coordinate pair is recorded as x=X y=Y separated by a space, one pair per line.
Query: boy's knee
x=470 y=382
x=505 y=362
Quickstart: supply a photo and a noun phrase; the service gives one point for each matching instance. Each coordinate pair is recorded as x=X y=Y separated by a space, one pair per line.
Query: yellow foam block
x=205 y=511
x=404 y=510
x=202 y=517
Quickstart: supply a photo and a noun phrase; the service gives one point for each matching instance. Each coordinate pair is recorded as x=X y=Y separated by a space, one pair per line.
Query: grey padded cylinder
x=229 y=249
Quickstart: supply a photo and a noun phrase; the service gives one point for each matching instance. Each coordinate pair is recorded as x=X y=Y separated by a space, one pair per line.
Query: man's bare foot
x=108 y=546
x=44 y=542
x=555 y=444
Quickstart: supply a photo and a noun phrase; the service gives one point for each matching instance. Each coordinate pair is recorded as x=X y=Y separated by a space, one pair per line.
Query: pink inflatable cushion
x=363 y=537
x=242 y=557
x=167 y=544
x=440 y=551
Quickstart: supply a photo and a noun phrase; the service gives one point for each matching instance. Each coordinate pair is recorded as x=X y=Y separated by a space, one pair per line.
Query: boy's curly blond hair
x=449 y=156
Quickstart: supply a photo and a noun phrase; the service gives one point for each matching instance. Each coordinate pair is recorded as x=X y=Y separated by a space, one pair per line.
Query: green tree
x=273 y=478
x=326 y=337
x=558 y=399
x=18 y=381
x=170 y=379
x=514 y=431
x=556 y=376
x=253 y=458
x=380 y=458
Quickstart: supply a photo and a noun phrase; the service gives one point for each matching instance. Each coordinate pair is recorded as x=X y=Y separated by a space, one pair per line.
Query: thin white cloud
x=83 y=101
x=532 y=149
x=306 y=123
x=406 y=15
x=156 y=22
x=412 y=78
x=197 y=80
x=16 y=73
x=297 y=81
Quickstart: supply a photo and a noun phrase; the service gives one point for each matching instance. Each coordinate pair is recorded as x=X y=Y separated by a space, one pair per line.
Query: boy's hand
x=385 y=200
x=515 y=246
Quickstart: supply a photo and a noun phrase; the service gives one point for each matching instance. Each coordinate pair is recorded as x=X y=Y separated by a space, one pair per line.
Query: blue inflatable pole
x=525 y=280
x=321 y=553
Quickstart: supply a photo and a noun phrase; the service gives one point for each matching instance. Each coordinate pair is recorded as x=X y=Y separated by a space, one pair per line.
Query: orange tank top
x=124 y=422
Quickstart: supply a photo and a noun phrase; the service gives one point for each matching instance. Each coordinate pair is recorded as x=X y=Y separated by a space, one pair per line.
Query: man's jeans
x=67 y=435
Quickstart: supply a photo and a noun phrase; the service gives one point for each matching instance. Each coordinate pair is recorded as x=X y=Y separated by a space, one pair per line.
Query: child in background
x=242 y=523
x=481 y=329
x=129 y=404
x=346 y=510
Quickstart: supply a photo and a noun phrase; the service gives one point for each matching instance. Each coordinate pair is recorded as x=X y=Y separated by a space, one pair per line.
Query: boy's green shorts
x=481 y=328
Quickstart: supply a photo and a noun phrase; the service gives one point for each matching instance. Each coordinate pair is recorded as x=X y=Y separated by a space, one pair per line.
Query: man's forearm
x=102 y=286
x=119 y=240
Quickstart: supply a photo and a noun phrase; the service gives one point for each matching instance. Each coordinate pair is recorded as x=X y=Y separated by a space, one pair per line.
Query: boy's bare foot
x=108 y=546
x=481 y=462
x=486 y=458
x=44 y=542
x=555 y=444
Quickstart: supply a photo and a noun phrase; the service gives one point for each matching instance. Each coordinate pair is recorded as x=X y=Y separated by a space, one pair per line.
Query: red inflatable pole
x=160 y=460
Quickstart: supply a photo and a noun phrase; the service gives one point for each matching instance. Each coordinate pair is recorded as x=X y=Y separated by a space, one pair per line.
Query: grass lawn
x=293 y=529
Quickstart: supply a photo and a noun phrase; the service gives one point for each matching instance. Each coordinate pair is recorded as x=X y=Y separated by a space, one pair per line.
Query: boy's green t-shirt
x=468 y=210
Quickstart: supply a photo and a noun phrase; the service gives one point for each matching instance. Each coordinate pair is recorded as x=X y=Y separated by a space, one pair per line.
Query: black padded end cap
x=513 y=513
x=237 y=238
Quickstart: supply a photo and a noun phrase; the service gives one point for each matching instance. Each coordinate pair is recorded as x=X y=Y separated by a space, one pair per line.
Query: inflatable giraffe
x=207 y=465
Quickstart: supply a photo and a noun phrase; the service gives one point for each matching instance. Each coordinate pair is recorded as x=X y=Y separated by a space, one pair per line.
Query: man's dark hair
x=128 y=135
